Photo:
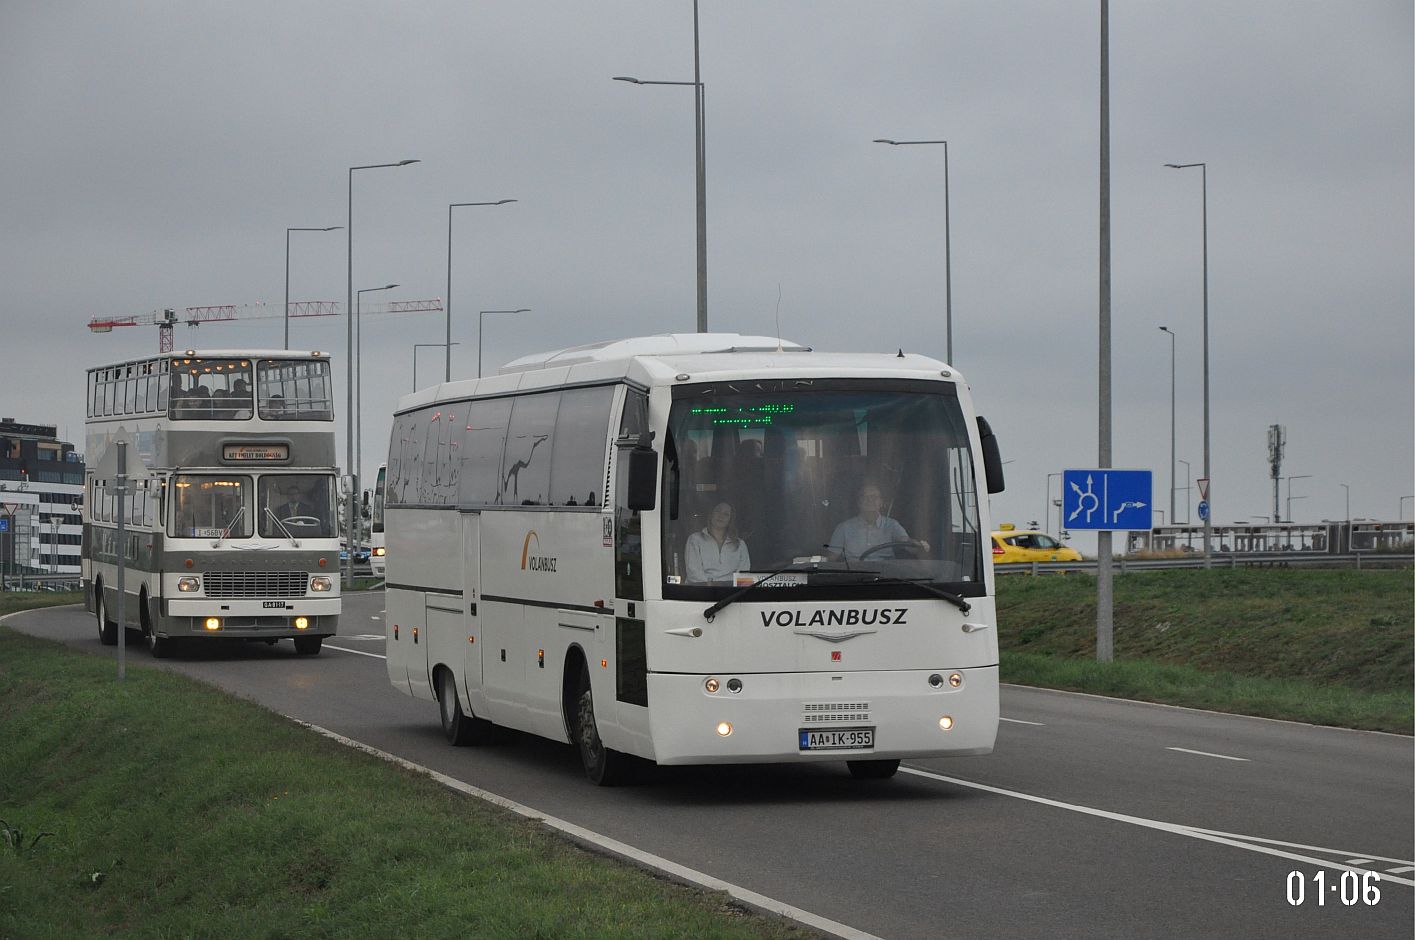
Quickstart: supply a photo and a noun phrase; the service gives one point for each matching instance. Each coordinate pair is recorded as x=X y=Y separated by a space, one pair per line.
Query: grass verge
x=175 y=810
x=1329 y=647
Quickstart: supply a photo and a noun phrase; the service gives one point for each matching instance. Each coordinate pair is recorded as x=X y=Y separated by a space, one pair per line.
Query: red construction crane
x=196 y=316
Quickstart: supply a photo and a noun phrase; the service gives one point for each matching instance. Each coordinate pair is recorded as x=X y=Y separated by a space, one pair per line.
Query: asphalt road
x=1094 y=817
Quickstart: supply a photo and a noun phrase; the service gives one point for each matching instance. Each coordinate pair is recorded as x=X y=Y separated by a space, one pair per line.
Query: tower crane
x=166 y=319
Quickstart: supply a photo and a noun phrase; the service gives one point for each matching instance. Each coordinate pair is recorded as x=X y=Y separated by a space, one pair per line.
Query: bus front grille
x=817 y=713
x=255 y=583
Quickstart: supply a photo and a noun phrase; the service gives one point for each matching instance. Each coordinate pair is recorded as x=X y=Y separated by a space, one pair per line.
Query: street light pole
x=1046 y=515
x=947 y=242
x=332 y=228
x=1300 y=476
x=349 y=313
x=359 y=406
x=1172 y=466
x=1208 y=522
x=481 y=319
x=447 y=374
x=416 y=347
x=700 y=133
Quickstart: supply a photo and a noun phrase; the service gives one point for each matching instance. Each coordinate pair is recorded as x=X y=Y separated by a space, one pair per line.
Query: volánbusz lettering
x=851 y=617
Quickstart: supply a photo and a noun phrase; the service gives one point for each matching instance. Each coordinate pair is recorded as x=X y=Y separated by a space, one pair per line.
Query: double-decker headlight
x=378 y=552
x=321 y=584
x=189 y=585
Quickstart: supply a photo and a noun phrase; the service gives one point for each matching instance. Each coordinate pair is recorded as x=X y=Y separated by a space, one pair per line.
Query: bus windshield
x=849 y=482
x=377 y=524
x=207 y=506
x=301 y=505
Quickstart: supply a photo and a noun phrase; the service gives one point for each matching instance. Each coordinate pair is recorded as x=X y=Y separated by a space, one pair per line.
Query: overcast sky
x=155 y=153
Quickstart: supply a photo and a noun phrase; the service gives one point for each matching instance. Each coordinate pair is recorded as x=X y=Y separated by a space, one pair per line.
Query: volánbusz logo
x=531 y=562
x=854 y=617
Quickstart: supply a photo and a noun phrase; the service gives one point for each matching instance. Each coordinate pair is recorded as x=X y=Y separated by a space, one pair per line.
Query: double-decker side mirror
x=643 y=478
x=992 y=456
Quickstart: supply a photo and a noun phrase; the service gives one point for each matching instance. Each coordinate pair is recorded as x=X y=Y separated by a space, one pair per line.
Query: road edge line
x=600 y=843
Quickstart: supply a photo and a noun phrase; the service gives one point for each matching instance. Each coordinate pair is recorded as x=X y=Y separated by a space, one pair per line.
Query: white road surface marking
x=1019 y=721
x=1236 y=840
x=343 y=649
x=1185 y=750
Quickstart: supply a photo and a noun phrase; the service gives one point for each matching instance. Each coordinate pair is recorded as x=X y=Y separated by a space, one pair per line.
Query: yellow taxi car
x=1013 y=546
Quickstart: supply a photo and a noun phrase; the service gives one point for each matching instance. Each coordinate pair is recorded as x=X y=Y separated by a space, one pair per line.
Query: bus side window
x=483 y=447
x=577 y=463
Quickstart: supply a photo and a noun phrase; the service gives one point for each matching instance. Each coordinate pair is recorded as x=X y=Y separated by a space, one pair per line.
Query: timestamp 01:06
x=1350 y=887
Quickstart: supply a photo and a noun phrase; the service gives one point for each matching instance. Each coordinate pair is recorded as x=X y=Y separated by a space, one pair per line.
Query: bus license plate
x=837 y=739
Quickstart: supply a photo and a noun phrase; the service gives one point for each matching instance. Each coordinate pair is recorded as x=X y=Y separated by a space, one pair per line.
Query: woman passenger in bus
x=716 y=552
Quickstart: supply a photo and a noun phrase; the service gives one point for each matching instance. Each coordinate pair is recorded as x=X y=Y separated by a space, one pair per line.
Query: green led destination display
x=742 y=416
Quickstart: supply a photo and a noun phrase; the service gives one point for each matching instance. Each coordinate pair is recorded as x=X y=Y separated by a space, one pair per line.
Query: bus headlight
x=945 y=723
x=955 y=679
x=712 y=685
x=188 y=585
x=321 y=584
x=302 y=623
x=724 y=728
x=378 y=551
x=213 y=623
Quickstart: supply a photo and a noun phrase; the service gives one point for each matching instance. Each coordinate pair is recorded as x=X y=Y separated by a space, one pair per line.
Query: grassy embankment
x=176 y=811
x=1331 y=647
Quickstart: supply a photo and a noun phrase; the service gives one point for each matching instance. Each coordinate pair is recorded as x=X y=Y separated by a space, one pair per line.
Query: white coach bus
x=699 y=548
x=377 y=549
x=232 y=534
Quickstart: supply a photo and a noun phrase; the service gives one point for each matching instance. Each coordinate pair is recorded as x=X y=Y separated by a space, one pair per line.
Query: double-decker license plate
x=837 y=739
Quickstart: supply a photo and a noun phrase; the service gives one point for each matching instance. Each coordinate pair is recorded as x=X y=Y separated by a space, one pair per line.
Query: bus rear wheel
x=107 y=629
x=872 y=769
x=604 y=767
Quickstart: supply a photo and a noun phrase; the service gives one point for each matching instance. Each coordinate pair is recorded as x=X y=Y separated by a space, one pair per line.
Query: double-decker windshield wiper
x=741 y=592
x=231 y=525
x=293 y=541
x=955 y=599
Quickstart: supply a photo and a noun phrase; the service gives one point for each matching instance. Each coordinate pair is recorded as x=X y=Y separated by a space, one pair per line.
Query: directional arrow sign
x=1106 y=499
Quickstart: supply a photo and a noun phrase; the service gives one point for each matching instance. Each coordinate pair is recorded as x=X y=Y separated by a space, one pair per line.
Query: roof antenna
x=778 y=317
x=901 y=353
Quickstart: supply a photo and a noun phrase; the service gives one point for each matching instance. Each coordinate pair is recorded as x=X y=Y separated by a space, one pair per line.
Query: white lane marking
x=1185 y=750
x=1359 y=861
x=375 y=618
x=1401 y=870
x=1019 y=721
x=362 y=636
x=614 y=846
x=343 y=649
x=1207 y=835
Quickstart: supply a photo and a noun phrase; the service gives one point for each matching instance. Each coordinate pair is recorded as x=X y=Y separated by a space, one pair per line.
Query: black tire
x=107 y=629
x=159 y=646
x=872 y=769
x=604 y=767
x=460 y=728
x=308 y=645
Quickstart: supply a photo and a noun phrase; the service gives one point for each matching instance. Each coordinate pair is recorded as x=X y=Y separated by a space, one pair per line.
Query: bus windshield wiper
x=955 y=599
x=293 y=541
x=736 y=595
x=231 y=525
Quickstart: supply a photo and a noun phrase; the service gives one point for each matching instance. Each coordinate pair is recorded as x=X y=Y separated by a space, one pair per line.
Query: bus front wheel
x=460 y=728
x=308 y=645
x=604 y=767
x=872 y=769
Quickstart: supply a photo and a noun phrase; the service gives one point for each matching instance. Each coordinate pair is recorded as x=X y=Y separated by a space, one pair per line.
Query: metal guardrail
x=1357 y=560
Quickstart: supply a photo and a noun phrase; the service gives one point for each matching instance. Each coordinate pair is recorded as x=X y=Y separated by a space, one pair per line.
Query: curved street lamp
x=481 y=318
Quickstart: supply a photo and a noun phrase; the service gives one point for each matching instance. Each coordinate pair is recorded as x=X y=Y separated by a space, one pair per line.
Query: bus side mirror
x=992 y=457
x=643 y=478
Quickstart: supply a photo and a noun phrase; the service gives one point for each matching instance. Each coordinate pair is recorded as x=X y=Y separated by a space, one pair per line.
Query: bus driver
x=858 y=534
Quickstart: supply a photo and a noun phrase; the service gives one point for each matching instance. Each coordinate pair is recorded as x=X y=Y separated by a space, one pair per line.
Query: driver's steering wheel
x=908 y=545
x=301 y=520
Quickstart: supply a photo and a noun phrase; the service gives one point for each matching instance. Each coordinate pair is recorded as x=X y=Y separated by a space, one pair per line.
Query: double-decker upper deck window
x=210 y=389
x=294 y=390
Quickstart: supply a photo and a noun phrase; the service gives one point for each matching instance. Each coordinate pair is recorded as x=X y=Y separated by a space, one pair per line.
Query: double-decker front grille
x=255 y=583
x=818 y=713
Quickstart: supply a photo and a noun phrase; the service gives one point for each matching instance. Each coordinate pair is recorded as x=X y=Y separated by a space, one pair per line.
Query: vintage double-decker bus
x=231 y=532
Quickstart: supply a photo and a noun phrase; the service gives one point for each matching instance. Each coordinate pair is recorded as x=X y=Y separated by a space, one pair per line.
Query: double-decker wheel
x=308 y=645
x=107 y=628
